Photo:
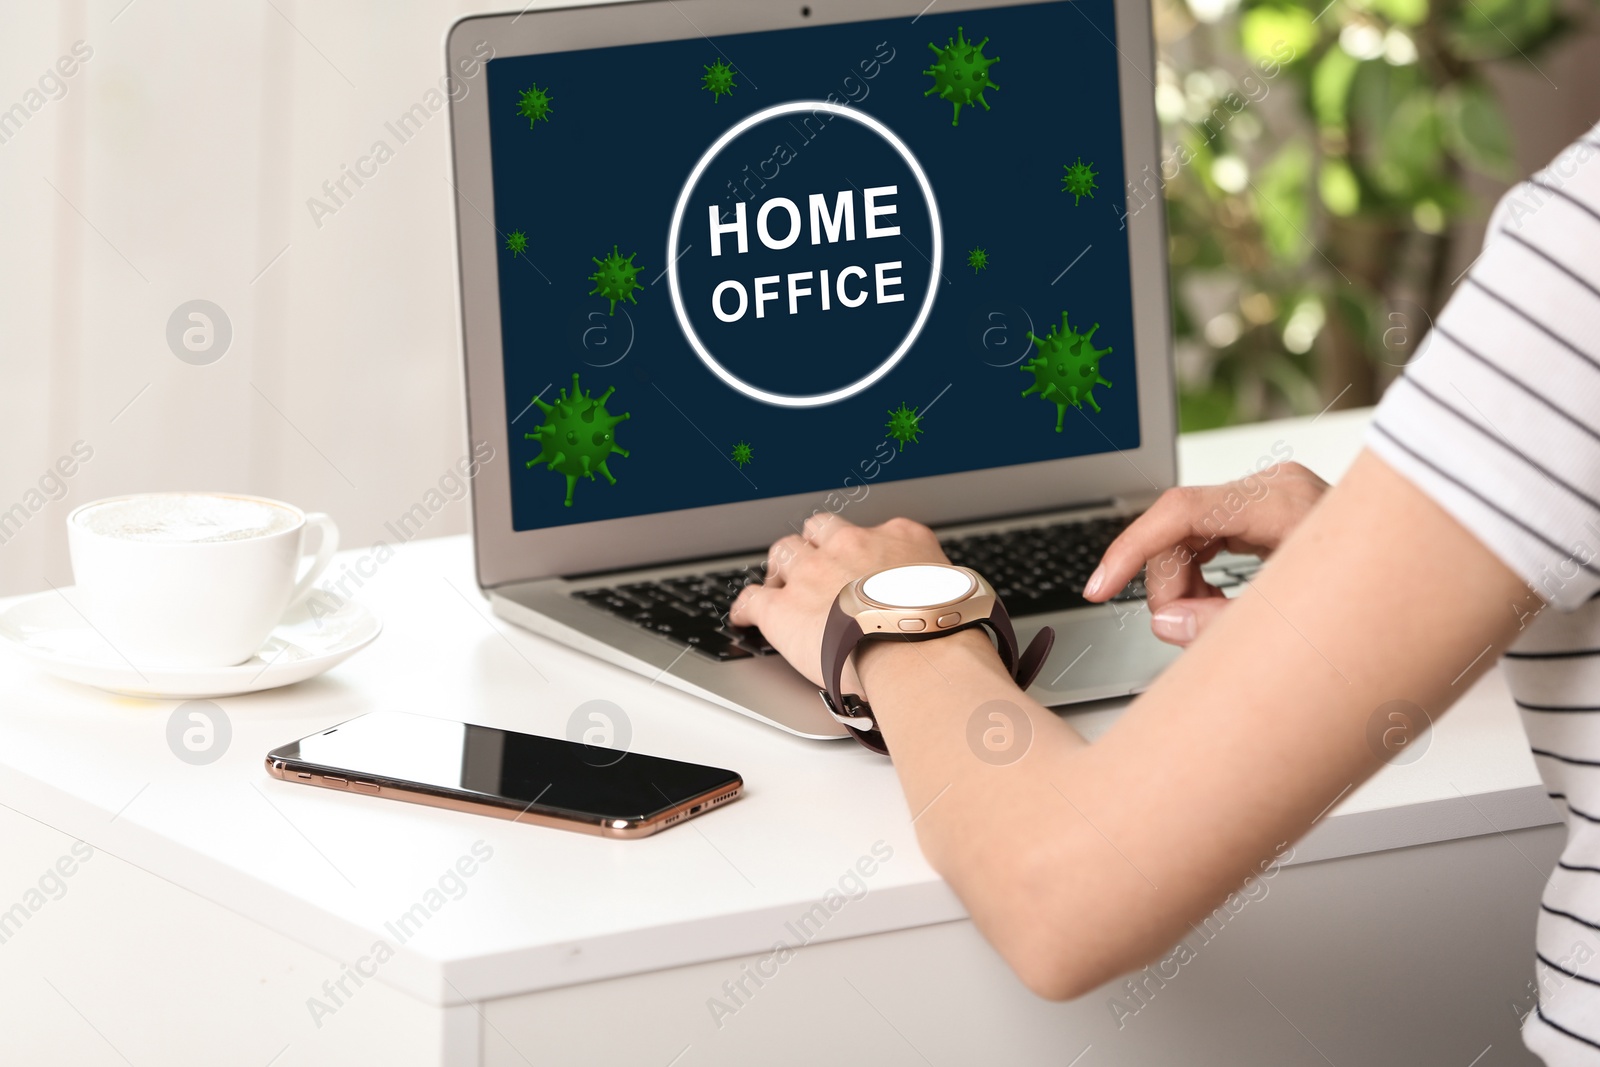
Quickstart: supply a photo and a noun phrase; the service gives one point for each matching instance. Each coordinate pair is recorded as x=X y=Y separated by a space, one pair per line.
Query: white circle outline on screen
x=914 y=587
x=730 y=379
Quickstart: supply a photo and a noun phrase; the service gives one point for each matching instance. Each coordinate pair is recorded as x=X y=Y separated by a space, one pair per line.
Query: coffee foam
x=187 y=519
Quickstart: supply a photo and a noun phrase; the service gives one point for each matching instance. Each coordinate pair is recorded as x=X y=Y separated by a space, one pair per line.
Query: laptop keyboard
x=691 y=610
x=1034 y=570
x=1043 y=568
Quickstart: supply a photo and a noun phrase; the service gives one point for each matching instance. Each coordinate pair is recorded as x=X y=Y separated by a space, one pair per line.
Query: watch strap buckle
x=857 y=715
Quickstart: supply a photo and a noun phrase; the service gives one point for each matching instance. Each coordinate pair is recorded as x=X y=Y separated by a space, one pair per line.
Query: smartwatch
x=919 y=602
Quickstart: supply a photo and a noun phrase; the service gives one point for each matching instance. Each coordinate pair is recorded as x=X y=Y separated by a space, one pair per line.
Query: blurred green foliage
x=1315 y=157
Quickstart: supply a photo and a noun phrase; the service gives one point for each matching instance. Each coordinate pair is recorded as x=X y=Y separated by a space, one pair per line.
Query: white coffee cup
x=192 y=579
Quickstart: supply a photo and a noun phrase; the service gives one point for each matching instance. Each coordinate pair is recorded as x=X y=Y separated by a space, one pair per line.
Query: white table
x=220 y=901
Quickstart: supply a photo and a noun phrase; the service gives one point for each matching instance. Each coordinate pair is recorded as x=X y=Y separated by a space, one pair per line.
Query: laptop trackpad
x=1097 y=654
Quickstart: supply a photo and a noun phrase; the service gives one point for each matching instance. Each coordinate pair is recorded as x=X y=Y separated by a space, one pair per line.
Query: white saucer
x=48 y=630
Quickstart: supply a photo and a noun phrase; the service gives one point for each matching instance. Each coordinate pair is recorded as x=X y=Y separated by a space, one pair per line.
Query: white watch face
x=918 y=586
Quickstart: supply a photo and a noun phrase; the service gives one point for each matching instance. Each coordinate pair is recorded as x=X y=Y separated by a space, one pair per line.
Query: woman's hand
x=1187 y=527
x=805 y=574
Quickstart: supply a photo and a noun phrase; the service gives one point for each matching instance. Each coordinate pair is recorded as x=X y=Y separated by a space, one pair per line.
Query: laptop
x=726 y=264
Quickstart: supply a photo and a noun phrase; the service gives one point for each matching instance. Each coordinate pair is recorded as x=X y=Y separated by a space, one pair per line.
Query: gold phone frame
x=412 y=793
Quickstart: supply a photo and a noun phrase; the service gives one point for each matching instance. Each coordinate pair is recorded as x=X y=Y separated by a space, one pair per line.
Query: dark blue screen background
x=626 y=128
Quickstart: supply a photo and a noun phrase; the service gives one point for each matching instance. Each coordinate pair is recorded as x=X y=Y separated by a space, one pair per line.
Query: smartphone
x=522 y=777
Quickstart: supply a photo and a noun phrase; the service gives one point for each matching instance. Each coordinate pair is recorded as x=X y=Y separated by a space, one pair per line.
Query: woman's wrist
x=889 y=668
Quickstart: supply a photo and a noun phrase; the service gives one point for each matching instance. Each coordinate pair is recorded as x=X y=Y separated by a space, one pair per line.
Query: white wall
x=177 y=165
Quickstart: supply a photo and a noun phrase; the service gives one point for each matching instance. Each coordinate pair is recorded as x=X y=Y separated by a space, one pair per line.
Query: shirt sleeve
x=1497 y=417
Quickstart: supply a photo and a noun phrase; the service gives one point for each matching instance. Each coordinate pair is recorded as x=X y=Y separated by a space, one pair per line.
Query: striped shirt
x=1497 y=419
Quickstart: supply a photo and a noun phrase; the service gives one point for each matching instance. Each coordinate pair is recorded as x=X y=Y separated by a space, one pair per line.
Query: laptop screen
x=810 y=260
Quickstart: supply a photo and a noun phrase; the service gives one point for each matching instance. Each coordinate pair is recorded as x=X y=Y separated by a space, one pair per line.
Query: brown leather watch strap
x=842 y=633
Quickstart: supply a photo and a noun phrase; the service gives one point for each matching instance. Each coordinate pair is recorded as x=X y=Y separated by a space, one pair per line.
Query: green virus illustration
x=616 y=279
x=961 y=73
x=1067 y=368
x=576 y=436
x=741 y=454
x=904 y=424
x=718 y=81
x=978 y=259
x=534 y=105
x=516 y=242
x=1079 y=180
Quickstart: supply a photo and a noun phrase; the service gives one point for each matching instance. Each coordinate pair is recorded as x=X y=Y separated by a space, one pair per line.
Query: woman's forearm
x=1080 y=862
x=976 y=758
x=925 y=695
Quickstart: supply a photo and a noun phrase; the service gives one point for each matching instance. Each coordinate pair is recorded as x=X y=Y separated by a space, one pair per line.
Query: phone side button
x=336 y=782
x=365 y=787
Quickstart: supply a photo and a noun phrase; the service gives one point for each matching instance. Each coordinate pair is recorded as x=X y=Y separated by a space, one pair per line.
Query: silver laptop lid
x=757 y=260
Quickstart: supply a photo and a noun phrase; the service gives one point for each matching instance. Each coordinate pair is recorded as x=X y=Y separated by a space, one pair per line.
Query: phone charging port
x=695 y=810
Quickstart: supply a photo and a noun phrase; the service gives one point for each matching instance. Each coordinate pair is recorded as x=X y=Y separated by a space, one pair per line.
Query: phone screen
x=499 y=766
